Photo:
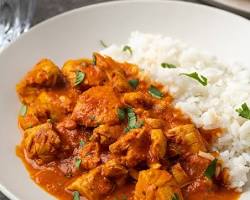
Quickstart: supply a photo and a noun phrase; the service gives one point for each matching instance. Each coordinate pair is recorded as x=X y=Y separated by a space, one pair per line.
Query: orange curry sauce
x=69 y=117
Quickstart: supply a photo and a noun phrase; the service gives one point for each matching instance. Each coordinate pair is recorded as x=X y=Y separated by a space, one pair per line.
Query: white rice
x=211 y=106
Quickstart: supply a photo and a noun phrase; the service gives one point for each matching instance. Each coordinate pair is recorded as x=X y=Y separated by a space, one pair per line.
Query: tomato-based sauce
x=100 y=130
x=220 y=194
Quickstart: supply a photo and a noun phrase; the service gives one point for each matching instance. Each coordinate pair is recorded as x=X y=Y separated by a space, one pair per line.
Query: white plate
x=77 y=33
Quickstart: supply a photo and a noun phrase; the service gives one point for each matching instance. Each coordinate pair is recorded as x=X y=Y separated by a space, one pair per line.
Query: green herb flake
x=116 y=198
x=127 y=48
x=201 y=79
x=121 y=113
x=124 y=197
x=155 y=92
x=167 y=65
x=210 y=171
x=244 y=111
x=82 y=143
x=23 y=110
x=78 y=162
x=79 y=77
x=94 y=59
x=132 y=120
x=103 y=44
x=175 y=197
x=133 y=83
x=76 y=195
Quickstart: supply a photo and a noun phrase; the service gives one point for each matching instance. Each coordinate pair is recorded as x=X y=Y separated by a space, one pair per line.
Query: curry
x=98 y=129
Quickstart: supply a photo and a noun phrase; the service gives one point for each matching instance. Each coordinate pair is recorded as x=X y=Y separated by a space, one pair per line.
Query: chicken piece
x=199 y=185
x=142 y=113
x=118 y=79
x=133 y=173
x=96 y=106
x=195 y=165
x=158 y=147
x=101 y=61
x=188 y=137
x=55 y=106
x=92 y=185
x=106 y=134
x=93 y=75
x=130 y=69
x=69 y=134
x=155 y=184
x=113 y=169
x=28 y=120
x=90 y=155
x=131 y=148
x=138 y=99
x=114 y=72
x=44 y=74
x=105 y=62
x=154 y=123
x=48 y=105
x=41 y=143
x=180 y=175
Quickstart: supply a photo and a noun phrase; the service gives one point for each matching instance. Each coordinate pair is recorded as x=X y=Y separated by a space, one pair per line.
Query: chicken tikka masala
x=101 y=130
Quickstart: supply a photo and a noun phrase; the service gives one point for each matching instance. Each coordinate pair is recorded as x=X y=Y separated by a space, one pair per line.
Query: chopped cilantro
x=201 y=79
x=244 y=111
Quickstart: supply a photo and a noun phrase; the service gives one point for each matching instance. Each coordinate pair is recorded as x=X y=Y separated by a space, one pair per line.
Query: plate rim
x=230 y=8
x=110 y=2
x=40 y=25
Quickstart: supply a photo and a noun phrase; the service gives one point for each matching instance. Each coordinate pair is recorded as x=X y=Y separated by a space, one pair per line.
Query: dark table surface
x=49 y=8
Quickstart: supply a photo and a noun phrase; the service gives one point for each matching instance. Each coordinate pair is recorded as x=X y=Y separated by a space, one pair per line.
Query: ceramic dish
x=77 y=33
